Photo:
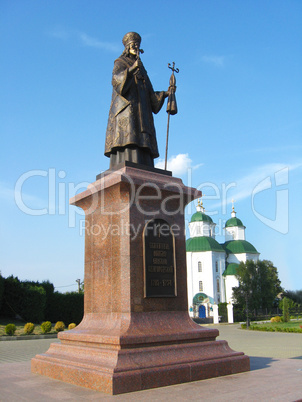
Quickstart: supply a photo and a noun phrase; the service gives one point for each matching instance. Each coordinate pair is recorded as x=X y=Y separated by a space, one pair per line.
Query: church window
x=199 y=266
x=200 y=286
x=217 y=285
x=216 y=265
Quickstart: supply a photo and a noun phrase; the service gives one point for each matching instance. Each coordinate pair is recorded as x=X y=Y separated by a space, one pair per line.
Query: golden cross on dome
x=200 y=204
x=233 y=209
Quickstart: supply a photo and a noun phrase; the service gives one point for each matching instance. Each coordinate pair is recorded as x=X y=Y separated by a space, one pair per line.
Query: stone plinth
x=127 y=341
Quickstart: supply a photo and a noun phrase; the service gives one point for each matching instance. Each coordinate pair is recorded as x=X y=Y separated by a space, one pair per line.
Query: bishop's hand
x=135 y=66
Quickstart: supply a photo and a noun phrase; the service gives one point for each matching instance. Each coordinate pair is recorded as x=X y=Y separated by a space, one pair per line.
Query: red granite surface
x=127 y=342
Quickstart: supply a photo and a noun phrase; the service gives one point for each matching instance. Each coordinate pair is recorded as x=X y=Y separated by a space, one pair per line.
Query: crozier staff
x=130 y=134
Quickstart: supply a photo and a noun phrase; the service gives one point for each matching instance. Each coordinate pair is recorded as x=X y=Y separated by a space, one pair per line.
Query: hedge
x=1 y=290
x=66 y=307
x=223 y=312
x=274 y=329
x=23 y=299
x=36 y=302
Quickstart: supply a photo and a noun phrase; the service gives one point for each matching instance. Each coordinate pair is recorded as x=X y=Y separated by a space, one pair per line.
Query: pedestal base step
x=127 y=370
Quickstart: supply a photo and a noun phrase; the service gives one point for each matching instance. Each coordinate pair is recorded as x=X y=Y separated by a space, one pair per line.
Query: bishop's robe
x=130 y=123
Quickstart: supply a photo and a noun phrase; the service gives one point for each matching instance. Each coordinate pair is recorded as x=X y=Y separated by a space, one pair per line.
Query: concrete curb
x=27 y=337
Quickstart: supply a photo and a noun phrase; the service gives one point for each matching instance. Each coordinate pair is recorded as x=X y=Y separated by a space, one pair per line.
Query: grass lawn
x=20 y=328
x=291 y=326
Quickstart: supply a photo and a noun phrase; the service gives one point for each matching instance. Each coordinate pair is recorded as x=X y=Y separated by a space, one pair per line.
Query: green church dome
x=239 y=247
x=201 y=217
x=233 y=222
x=231 y=269
x=203 y=243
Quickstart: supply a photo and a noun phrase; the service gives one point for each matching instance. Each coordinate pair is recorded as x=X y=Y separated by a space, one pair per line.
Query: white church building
x=211 y=266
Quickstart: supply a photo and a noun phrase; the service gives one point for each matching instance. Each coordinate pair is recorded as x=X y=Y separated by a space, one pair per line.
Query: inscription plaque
x=159 y=259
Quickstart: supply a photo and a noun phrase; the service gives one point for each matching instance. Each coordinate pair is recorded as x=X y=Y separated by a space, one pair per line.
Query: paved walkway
x=276 y=373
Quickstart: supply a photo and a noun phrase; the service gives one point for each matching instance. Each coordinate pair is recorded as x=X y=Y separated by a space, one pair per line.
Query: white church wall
x=230 y=282
x=218 y=264
x=229 y=234
x=234 y=258
x=240 y=233
x=234 y=233
x=237 y=258
x=199 y=280
x=200 y=229
x=213 y=230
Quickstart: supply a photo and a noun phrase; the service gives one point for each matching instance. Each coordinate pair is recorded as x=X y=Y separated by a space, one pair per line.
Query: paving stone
x=276 y=374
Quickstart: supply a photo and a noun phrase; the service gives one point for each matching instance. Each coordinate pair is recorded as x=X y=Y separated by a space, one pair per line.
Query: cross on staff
x=171 y=105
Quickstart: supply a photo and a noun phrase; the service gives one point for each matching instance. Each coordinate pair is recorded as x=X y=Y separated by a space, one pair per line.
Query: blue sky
x=237 y=134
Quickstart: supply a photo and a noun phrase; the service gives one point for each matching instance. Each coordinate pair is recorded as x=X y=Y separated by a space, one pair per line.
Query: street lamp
x=79 y=284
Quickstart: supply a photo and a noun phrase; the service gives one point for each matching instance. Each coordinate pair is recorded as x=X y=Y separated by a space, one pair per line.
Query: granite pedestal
x=136 y=332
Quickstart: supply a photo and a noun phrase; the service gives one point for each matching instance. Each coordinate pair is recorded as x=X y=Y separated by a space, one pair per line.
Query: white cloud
x=217 y=61
x=246 y=184
x=87 y=40
x=281 y=148
x=6 y=193
x=258 y=177
x=60 y=33
x=12 y=195
x=178 y=164
x=84 y=39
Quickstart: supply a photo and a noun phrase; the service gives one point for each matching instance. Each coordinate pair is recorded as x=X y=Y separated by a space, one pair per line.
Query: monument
x=136 y=332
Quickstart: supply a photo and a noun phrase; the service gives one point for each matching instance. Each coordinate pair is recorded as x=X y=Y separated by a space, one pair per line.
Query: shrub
x=275 y=329
x=60 y=326
x=285 y=309
x=243 y=326
x=46 y=327
x=276 y=319
x=72 y=325
x=29 y=328
x=10 y=329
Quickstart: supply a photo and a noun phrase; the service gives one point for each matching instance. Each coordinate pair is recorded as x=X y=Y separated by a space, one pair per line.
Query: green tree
x=295 y=295
x=291 y=304
x=223 y=312
x=285 y=309
x=294 y=309
x=258 y=286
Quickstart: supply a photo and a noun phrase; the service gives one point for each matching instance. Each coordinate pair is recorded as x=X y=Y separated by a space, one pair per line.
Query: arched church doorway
x=202 y=311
